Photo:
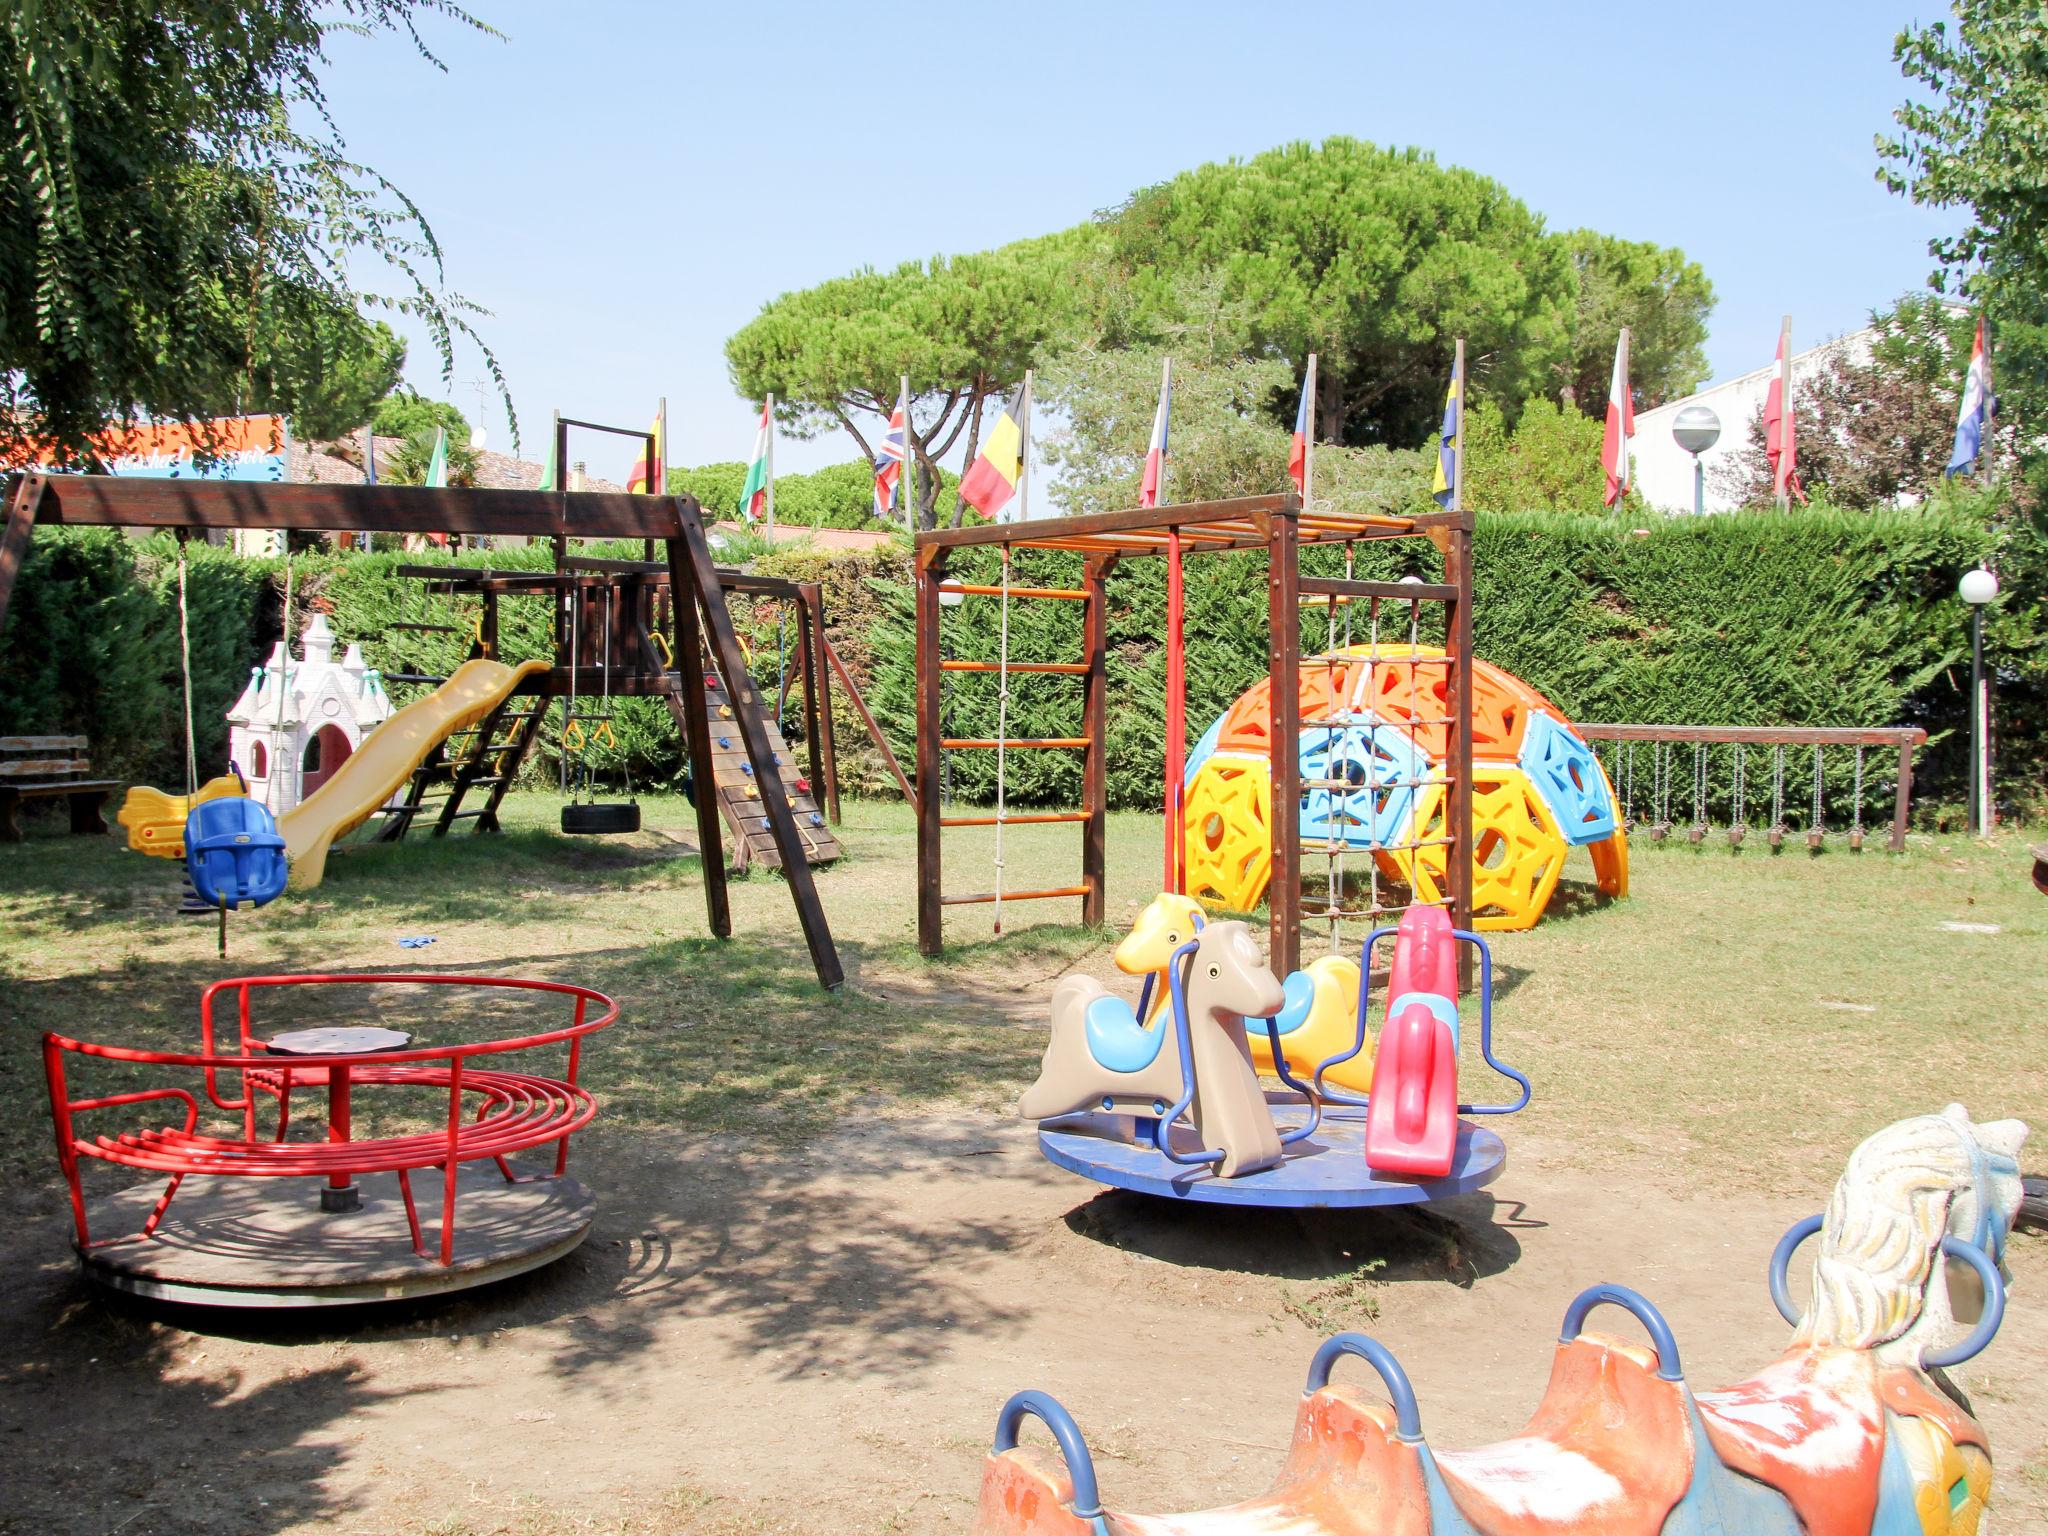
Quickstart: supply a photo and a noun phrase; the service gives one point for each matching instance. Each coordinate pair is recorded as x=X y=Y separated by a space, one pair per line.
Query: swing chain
x=1856 y=806
x=1738 y=823
x=1699 y=792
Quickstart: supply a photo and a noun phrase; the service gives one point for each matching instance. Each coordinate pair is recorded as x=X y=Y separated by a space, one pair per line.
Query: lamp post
x=1696 y=429
x=1977 y=588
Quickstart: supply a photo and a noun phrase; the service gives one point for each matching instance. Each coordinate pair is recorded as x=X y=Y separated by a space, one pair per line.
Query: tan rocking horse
x=1101 y=1057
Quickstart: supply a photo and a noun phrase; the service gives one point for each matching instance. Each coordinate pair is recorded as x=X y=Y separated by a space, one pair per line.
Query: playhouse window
x=259 y=761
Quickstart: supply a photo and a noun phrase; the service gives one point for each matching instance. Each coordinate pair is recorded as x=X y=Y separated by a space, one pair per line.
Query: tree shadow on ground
x=204 y=1451
x=779 y=1246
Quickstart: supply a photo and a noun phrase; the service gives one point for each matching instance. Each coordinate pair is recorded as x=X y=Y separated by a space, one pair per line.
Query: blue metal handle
x=1047 y=1409
x=1781 y=1260
x=1177 y=967
x=1315 y=1108
x=1407 y=1417
x=1485 y=1028
x=1974 y=1342
x=1335 y=1095
x=1486 y=1031
x=1651 y=1319
x=1968 y=1348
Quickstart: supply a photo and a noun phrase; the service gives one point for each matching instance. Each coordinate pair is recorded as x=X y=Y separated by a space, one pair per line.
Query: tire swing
x=585 y=815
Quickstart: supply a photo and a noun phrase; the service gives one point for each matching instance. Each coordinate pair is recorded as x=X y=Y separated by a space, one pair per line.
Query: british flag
x=889 y=461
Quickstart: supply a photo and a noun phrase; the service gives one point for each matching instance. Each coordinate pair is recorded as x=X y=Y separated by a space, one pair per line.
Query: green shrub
x=1819 y=617
x=90 y=648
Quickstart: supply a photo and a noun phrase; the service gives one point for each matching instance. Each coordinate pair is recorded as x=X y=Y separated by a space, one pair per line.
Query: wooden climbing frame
x=1277 y=525
x=702 y=625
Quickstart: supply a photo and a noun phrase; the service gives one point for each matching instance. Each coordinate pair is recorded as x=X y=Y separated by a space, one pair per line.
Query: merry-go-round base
x=242 y=1242
x=1326 y=1169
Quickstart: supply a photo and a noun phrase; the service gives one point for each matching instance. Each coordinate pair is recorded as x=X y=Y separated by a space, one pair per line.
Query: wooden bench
x=50 y=768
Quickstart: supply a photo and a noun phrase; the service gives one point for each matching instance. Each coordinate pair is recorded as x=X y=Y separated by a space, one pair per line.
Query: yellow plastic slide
x=379 y=768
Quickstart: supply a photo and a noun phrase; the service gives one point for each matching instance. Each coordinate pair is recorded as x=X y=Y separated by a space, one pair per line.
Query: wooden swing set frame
x=701 y=623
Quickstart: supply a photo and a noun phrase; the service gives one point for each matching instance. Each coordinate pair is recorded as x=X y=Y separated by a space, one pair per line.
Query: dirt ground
x=775 y=1331
x=818 y=1341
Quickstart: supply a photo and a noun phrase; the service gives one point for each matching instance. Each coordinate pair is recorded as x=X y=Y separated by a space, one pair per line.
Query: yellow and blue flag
x=1446 y=487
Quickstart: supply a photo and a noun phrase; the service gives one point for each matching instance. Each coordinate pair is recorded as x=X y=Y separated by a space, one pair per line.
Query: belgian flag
x=992 y=479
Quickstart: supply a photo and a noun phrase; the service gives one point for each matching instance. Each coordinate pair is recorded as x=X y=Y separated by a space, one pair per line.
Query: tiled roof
x=324 y=464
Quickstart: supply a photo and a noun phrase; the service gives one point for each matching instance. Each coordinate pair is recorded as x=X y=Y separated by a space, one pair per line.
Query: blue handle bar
x=1177 y=968
x=1969 y=1347
x=1781 y=1260
x=1651 y=1319
x=1520 y=1079
x=1048 y=1411
x=1407 y=1417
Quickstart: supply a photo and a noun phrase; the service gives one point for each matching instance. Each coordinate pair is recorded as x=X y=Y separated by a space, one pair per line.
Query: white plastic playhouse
x=298 y=721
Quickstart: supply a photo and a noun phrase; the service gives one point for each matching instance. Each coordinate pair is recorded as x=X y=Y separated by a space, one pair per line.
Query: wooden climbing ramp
x=739 y=790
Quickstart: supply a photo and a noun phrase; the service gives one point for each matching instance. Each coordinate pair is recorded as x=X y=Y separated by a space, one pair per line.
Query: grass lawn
x=1743 y=1017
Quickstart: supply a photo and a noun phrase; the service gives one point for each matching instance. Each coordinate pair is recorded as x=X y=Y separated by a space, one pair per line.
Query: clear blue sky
x=623 y=185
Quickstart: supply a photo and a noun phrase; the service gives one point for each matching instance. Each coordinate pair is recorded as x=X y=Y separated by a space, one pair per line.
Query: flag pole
x=1176 y=669
x=1626 y=390
x=908 y=479
x=1024 y=455
x=1308 y=440
x=769 y=408
x=1785 y=437
x=1458 y=440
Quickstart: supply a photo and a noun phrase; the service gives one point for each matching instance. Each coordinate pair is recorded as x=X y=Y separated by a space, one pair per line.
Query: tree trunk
x=1330 y=406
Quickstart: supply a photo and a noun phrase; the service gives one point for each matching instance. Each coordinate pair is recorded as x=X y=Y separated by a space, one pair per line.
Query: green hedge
x=1818 y=617
x=90 y=647
x=1814 y=618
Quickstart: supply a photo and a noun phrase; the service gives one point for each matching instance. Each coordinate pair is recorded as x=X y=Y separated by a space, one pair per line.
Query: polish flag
x=1621 y=424
x=1155 y=451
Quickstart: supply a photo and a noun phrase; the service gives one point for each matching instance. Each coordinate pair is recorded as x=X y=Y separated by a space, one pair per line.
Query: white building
x=1664 y=471
x=297 y=722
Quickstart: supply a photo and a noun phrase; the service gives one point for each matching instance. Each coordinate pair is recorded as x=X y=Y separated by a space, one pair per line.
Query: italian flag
x=754 y=495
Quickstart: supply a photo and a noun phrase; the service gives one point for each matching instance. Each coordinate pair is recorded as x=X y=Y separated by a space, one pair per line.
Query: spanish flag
x=992 y=479
x=638 y=478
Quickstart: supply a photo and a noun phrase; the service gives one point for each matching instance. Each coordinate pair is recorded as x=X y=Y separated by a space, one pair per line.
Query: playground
x=818 y=1209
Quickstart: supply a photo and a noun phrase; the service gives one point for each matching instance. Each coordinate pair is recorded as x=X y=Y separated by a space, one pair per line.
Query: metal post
x=907 y=480
x=1095 y=726
x=1283 y=654
x=1902 y=803
x=1699 y=487
x=931 y=570
x=1786 y=439
x=1980 y=765
x=1024 y=454
x=771 y=465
